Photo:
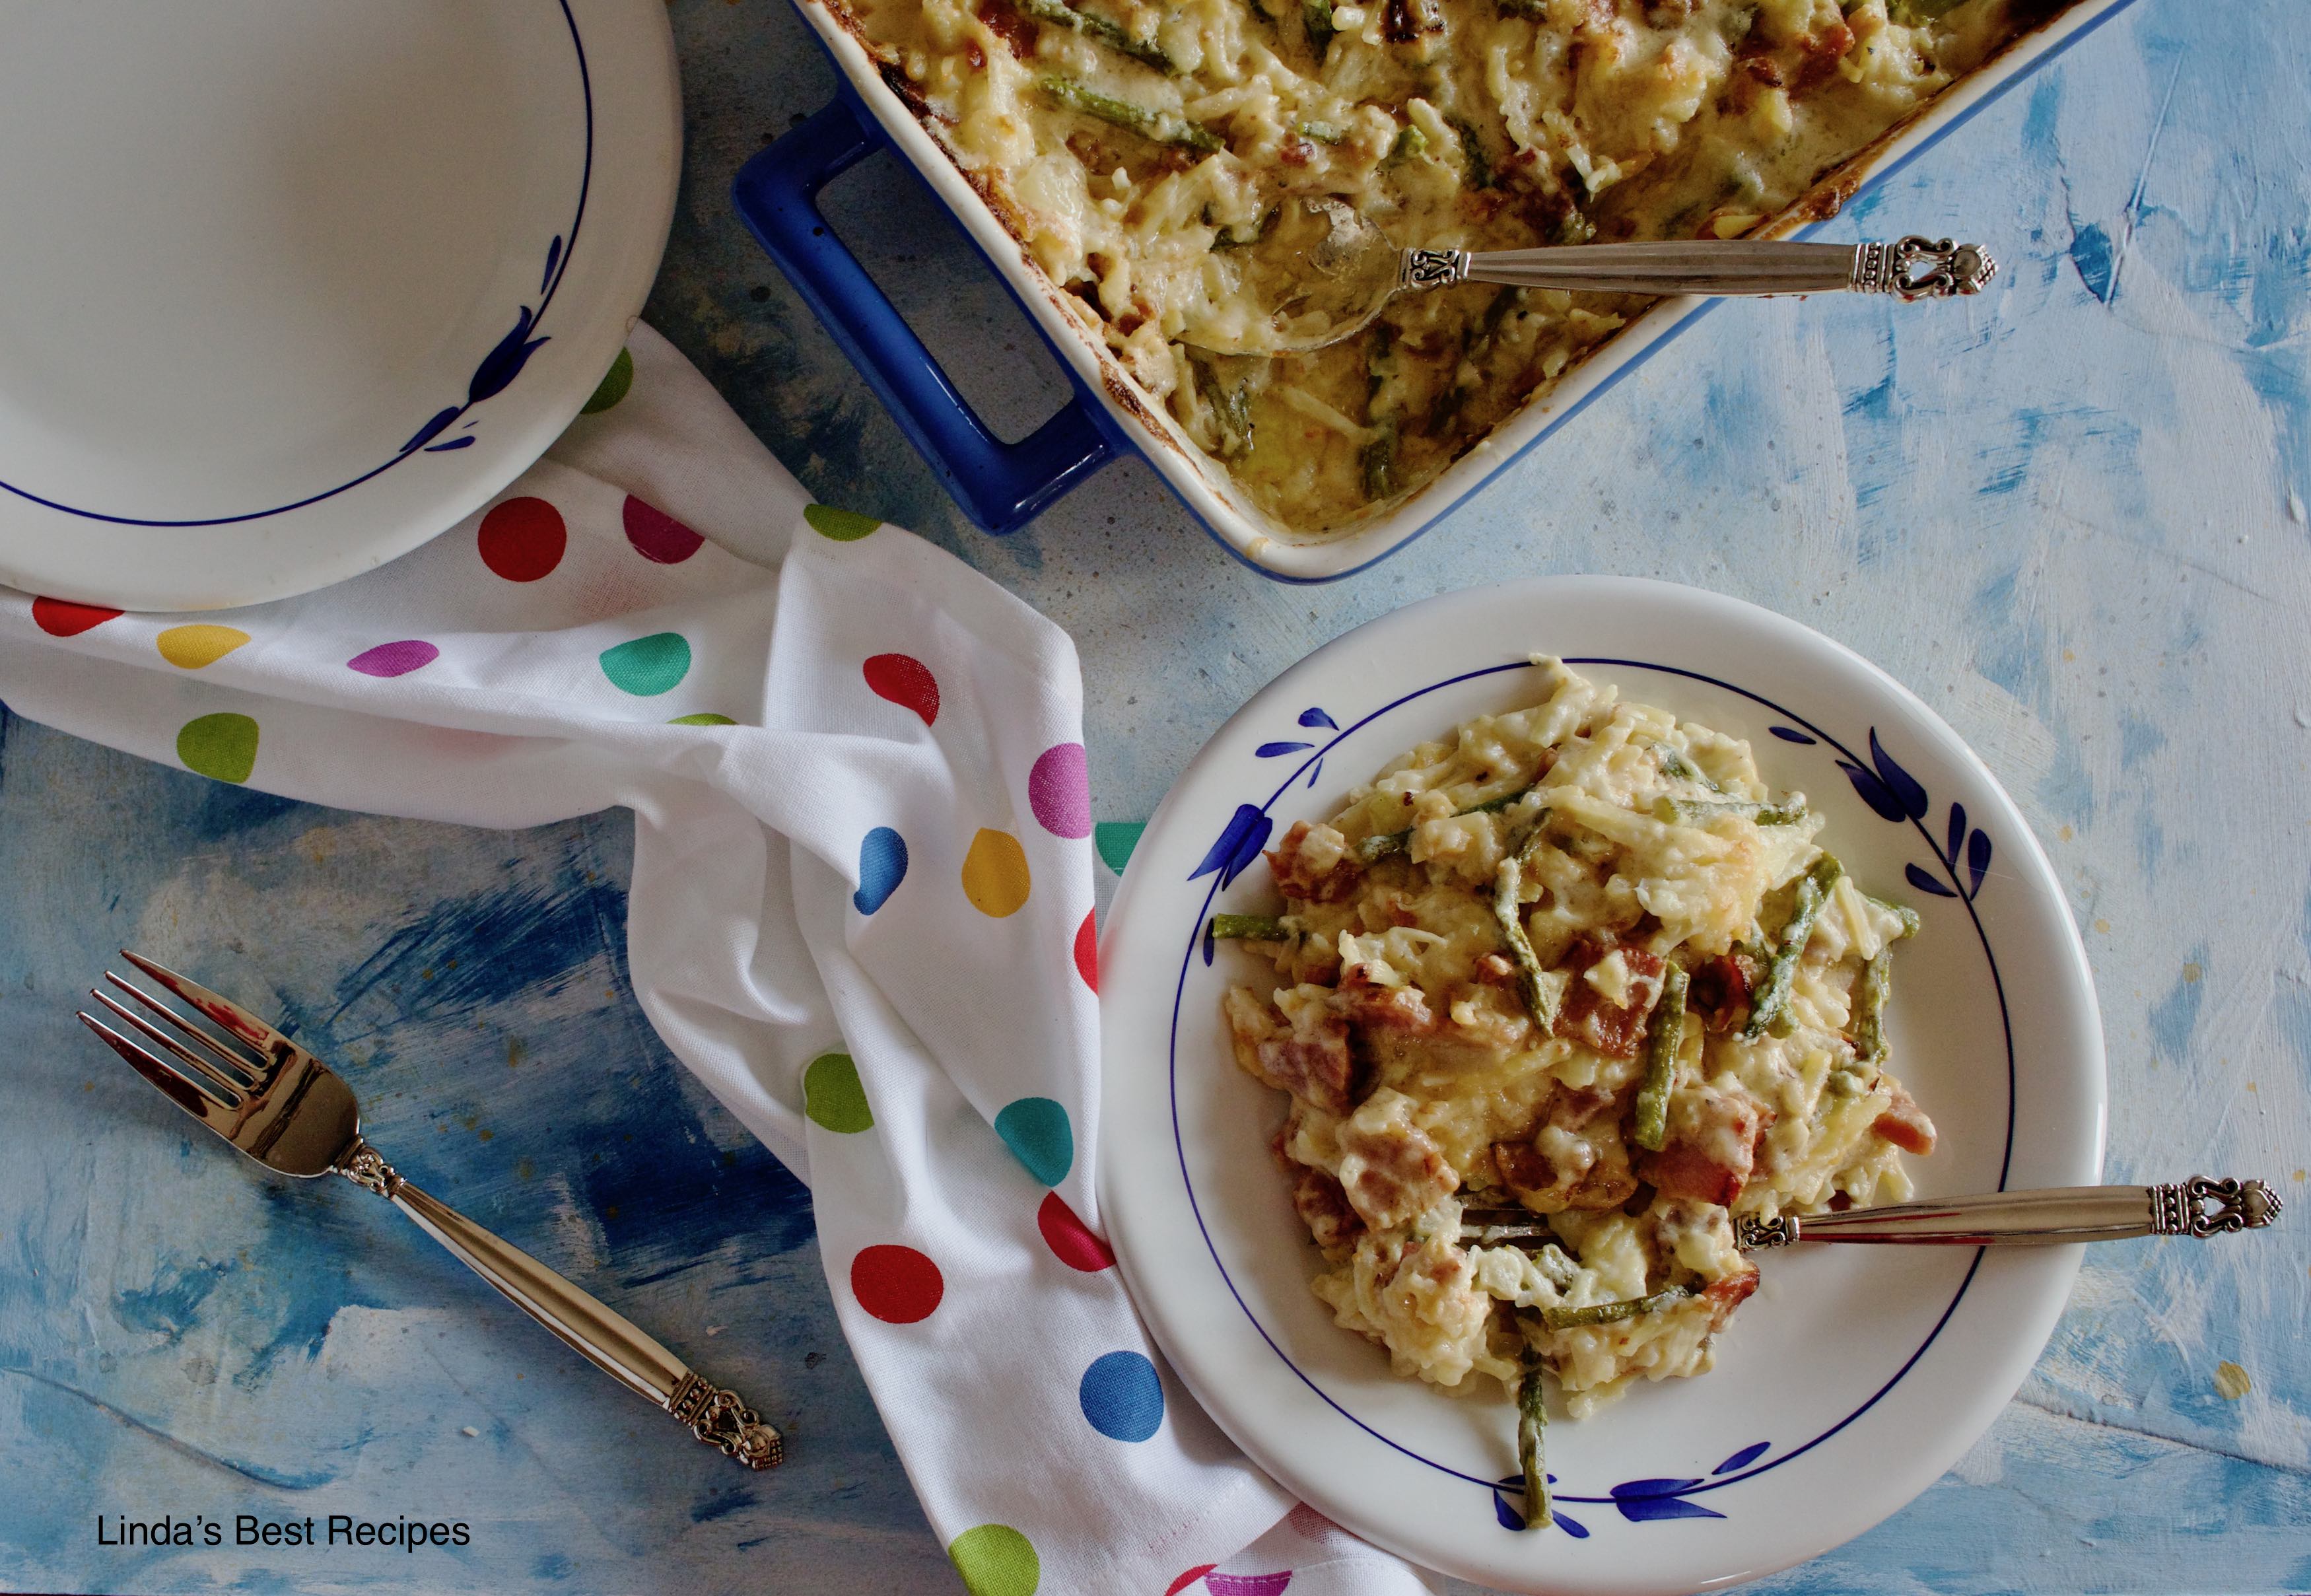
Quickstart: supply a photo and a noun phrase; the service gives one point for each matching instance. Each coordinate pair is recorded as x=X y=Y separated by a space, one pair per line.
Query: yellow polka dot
x=995 y=873
x=189 y=647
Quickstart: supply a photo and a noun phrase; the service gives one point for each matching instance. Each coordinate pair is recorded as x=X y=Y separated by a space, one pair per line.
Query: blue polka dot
x=882 y=865
x=1037 y=1130
x=1122 y=1396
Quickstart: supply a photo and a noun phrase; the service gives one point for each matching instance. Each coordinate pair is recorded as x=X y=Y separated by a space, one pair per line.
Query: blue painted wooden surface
x=2070 y=516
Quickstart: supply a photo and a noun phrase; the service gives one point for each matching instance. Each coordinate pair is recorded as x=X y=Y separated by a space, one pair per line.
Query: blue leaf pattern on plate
x=1898 y=782
x=1743 y=1458
x=503 y=364
x=1957 y=834
x=1312 y=715
x=1874 y=792
x=1509 y=1517
x=1277 y=750
x=434 y=429
x=1572 y=1526
x=1789 y=736
x=552 y=259
x=438 y=449
x=1977 y=861
x=1651 y=1488
x=1239 y=844
x=1925 y=883
x=1315 y=770
x=1639 y=1510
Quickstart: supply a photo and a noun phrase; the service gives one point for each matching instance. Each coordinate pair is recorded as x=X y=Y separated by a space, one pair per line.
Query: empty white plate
x=286 y=288
x=1856 y=1375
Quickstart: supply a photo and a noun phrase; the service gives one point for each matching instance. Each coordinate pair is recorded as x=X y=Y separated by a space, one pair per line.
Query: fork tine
x=229 y=1051
x=236 y=1088
x=172 y=1085
x=231 y=1018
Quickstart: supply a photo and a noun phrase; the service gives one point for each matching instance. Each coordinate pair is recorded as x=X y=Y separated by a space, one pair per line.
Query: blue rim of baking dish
x=1002 y=486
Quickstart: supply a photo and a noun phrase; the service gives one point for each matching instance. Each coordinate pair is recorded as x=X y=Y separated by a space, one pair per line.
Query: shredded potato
x=1692 y=1031
x=1138 y=150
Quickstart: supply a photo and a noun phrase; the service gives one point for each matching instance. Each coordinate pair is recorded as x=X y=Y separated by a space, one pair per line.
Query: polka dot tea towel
x=857 y=772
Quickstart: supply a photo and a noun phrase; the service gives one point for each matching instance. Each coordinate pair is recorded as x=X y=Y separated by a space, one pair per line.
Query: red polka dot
x=1088 y=952
x=1189 y=1578
x=60 y=618
x=906 y=681
x=657 y=536
x=897 y=1285
x=522 y=539
x=1069 y=1239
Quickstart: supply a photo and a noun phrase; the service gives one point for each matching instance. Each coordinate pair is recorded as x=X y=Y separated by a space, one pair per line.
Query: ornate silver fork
x=1997 y=1218
x=285 y=1108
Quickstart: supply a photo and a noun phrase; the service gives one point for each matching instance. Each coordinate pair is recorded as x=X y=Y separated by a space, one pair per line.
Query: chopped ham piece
x=1391 y=1169
x=1905 y=1123
x=1725 y=1295
x=1720 y=993
x=1310 y=1058
x=1372 y=1007
x=1577 y=1159
x=1588 y=1016
x=1323 y=1207
x=1714 y=1134
x=1313 y=864
x=1493 y=970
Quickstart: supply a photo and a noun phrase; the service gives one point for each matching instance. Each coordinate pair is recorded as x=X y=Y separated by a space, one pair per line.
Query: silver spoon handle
x=1911 y=268
x=2041 y=1218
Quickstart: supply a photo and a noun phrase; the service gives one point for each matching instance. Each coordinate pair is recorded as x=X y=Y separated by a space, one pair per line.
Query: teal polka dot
x=648 y=666
x=1037 y=1130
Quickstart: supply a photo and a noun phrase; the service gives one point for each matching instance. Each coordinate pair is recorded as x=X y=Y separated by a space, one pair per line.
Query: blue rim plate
x=294 y=288
x=1855 y=1377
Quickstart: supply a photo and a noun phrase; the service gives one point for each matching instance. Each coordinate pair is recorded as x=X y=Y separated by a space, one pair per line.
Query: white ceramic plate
x=1855 y=1376
x=291 y=288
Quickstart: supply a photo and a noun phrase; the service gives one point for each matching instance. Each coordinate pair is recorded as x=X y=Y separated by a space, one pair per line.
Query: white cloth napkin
x=860 y=910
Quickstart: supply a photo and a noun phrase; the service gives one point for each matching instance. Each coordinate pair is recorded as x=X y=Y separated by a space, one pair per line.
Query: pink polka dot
x=1248 y=1584
x=906 y=681
x=1069 y=1239
x=523 y=539
x=395 y=659
x=1059 y=789
x=897 y=1285
x=657 y=536
x=1088 y=952
x=1189 y=1578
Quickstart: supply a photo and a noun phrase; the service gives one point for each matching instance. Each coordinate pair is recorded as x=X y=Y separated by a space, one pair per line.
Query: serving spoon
x=1329 y=270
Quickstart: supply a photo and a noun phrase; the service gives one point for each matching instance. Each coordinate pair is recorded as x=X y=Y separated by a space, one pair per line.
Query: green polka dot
x=1115 y=839
x=709 y=718
x=648 y=666
x=832 y=1098
x=221 y=747
x=843 y=526
x=614 y=384
x=996 y=1560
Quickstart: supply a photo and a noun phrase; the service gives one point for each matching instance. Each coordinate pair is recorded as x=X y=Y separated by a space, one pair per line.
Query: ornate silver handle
x=1911 y=269
x=608 y=1340
x=2028 y=1218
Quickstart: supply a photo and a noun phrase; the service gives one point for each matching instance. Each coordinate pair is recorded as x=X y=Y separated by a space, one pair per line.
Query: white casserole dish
x=1003 y=486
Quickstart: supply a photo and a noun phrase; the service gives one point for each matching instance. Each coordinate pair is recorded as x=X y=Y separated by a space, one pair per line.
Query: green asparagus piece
x=1232 y=402
x=1901 y=911
x=1409 y=142
x=1558 y=1319
x=1248 y=927
x=1113 y=35
x=1773 y=999
x=1702 y=811
x=1510 y=915
x=1377 y=461
x=1479 y=171
x=1876 y=980
x=1323 y=133
x=1660 y=1060
x=1317 y=16
x=1532 y=1418
x=1384 y=843
x=1524 y=8
x=1231 y=240
x=1678 y=767
x=1164 y=128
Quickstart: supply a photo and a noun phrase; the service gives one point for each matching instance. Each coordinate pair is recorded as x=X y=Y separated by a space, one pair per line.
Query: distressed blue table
x=2070 y=516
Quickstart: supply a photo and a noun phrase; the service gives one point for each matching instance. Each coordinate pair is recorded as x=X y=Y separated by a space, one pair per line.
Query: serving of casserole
x=1121 y=162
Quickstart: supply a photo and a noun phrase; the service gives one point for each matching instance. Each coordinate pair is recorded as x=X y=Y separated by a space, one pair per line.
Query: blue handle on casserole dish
x=1001 y=486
